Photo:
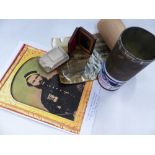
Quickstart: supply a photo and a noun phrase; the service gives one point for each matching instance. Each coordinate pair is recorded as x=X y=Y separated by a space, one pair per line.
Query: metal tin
x=53 y=59
x=134 y=50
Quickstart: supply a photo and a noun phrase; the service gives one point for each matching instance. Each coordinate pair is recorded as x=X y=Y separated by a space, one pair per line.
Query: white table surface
x=129 y=110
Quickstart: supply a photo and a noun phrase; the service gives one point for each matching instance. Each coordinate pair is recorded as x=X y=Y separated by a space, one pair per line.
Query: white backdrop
x=130 y=110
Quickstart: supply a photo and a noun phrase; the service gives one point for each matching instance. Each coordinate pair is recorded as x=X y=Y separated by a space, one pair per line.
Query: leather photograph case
x=83 y=39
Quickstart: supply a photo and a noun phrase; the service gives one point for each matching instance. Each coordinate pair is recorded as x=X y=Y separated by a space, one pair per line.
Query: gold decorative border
x=8 y=102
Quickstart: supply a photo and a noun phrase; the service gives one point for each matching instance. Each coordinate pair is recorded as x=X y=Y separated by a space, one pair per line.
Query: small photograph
x=34 y=87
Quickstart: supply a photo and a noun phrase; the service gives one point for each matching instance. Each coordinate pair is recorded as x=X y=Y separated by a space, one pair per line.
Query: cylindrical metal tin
x=134 y=50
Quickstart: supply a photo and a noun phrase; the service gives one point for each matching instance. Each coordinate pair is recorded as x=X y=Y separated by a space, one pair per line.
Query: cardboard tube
x=110 y=30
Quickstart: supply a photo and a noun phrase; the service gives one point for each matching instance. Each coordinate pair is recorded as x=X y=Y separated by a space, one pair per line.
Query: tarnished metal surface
x=81 y=67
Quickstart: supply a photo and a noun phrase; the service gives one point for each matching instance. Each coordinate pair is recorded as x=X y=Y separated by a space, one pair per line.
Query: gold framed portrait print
x=50 y=101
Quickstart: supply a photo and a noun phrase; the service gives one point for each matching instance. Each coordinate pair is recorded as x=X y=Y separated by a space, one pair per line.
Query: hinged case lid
x=83 y=39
